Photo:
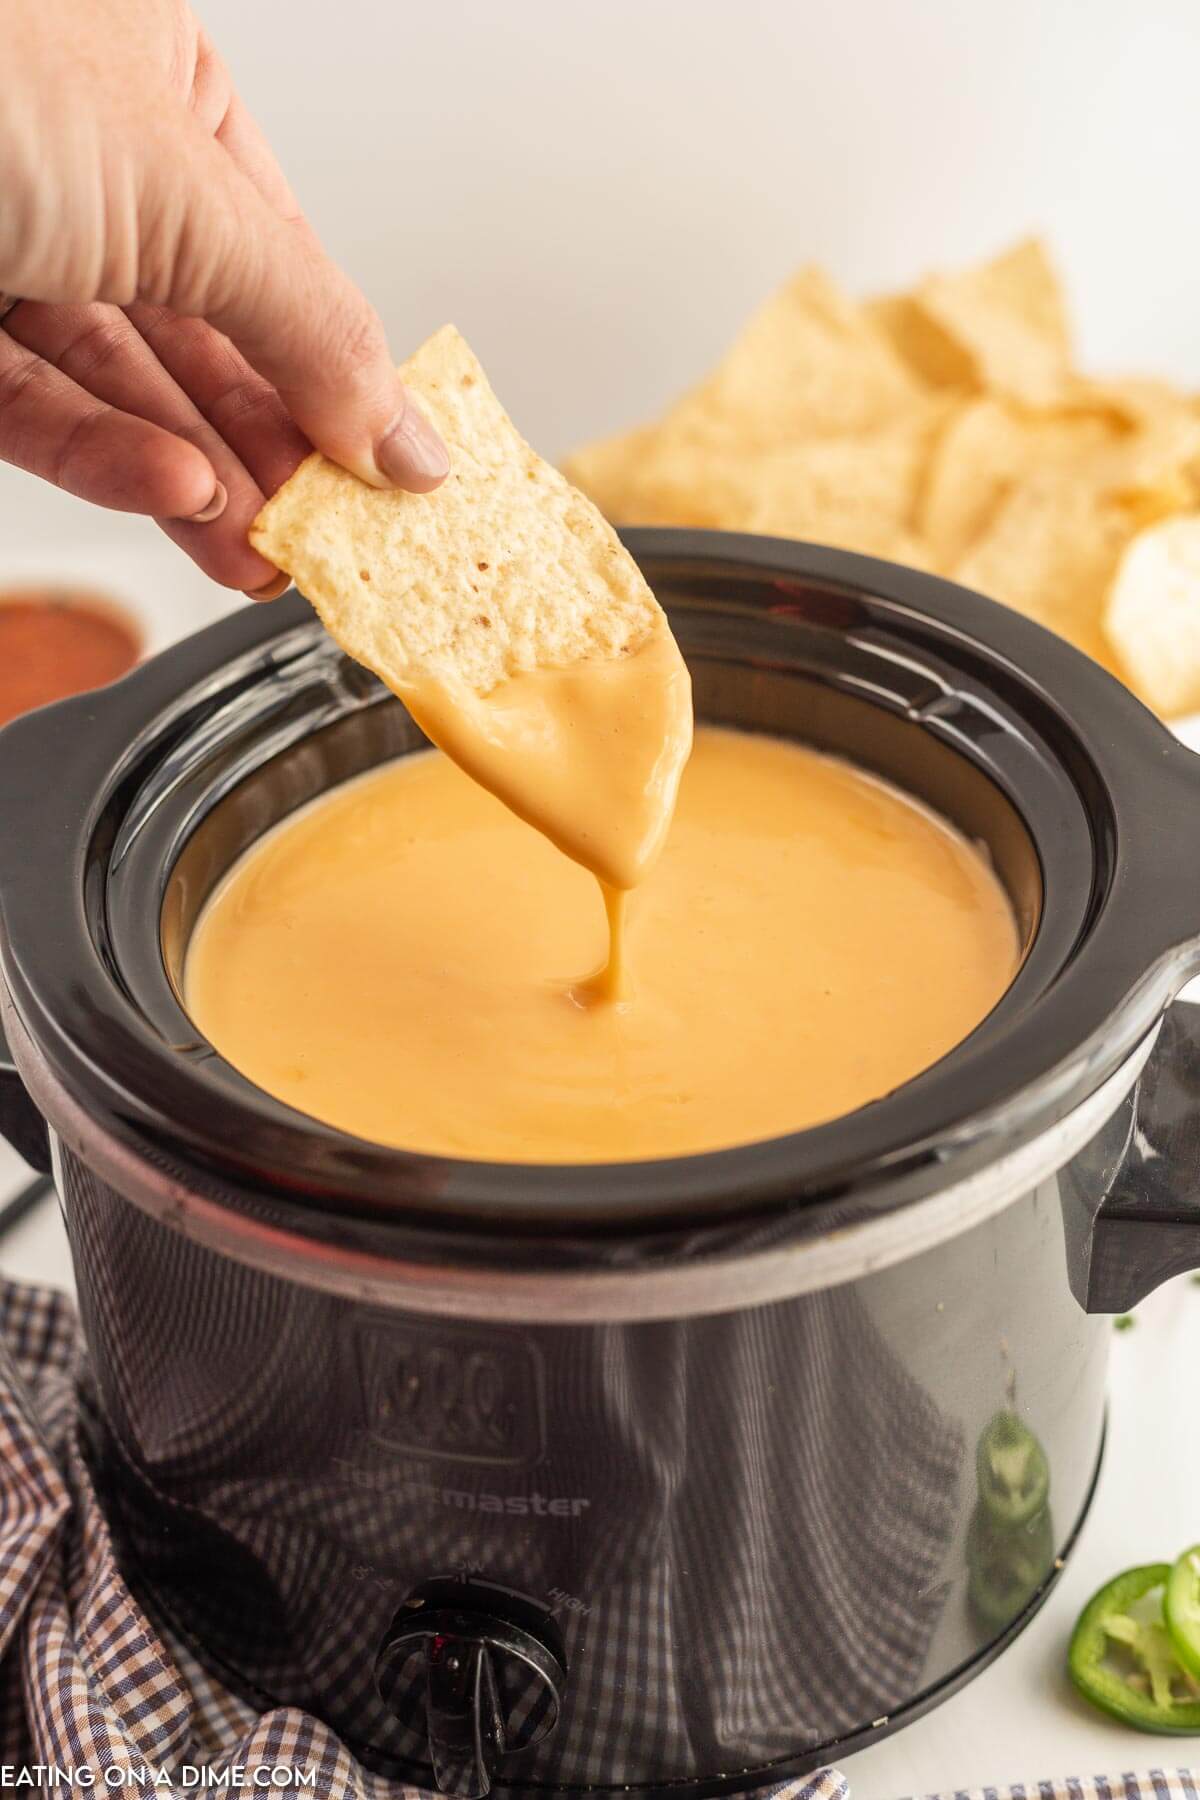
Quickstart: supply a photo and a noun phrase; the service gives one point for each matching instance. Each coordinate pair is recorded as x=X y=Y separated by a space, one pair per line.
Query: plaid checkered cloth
x=1155 y=1784
x=88 y=1681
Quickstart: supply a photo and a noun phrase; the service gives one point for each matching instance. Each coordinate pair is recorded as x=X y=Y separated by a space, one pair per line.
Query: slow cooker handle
x=1146 y=1227
x=20 y=1121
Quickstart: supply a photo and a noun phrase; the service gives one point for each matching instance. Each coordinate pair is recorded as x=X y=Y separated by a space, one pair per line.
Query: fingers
x=297 y=319
x=243 y=409
x=242 y=406
x=99 y=350
x=54 y=429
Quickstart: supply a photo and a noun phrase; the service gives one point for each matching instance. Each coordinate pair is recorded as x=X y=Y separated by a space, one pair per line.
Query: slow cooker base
x=943 y=1690
x=737 y=1781
x=720 y=1419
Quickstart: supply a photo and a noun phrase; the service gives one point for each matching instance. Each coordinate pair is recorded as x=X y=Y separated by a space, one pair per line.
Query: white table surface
x=1019 y=1720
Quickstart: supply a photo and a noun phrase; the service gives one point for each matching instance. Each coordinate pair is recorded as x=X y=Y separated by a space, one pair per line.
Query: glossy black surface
x=1132 y=1202
x=752 y=1531
x=759 y=1535
x=21 y=1124
x=913 y=677
x=491 y=1666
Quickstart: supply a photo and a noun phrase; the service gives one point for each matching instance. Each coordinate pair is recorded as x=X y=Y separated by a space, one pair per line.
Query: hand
x=181 y=337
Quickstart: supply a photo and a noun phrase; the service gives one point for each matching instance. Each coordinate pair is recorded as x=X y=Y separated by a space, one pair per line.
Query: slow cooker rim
x=532 y=1292
x=1124 y=742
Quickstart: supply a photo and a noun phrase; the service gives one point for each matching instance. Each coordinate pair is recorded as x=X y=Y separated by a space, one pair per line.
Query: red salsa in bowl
x=59 y=641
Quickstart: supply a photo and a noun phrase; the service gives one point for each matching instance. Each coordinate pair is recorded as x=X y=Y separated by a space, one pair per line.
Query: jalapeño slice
x=1181 y=1609
x=1011 y=1470
x=1122 y=1658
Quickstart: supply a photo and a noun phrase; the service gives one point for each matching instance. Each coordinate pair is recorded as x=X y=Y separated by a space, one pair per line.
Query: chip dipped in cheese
x=505 y=612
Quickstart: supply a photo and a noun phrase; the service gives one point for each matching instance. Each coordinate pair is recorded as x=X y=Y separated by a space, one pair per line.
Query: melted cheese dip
x=408 y=960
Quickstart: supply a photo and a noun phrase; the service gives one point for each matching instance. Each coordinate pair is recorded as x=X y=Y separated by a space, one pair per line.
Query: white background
x=598 y=191
x=597 y=194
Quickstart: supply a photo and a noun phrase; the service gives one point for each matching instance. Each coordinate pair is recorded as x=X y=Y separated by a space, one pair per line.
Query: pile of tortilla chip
x=946 y=428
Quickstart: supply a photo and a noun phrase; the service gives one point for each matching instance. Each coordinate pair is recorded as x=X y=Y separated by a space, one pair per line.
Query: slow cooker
x=680 y=1473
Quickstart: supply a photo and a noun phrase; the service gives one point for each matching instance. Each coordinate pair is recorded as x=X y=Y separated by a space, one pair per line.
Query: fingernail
x=214 y=509
x=270 y=590
x=411 y=453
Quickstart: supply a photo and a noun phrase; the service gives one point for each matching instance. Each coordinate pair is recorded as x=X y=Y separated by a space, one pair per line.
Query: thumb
x=296 y=317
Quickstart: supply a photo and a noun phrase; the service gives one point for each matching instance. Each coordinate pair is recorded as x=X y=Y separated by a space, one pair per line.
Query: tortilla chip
x=1050 y=551
x=1154 y=470
x=975 y=461
x=809 y=364
x=1152 y=618
x=1126 y=400
x=933 y=357
x=851 y=491
x=1000 y=328
x=986 y=447
x=943 y=427
x=502 y=569
x=855 y=493
x=674 y=480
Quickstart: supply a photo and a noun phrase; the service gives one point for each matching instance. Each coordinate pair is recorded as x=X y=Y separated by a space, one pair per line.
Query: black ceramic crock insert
x=155 y=784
